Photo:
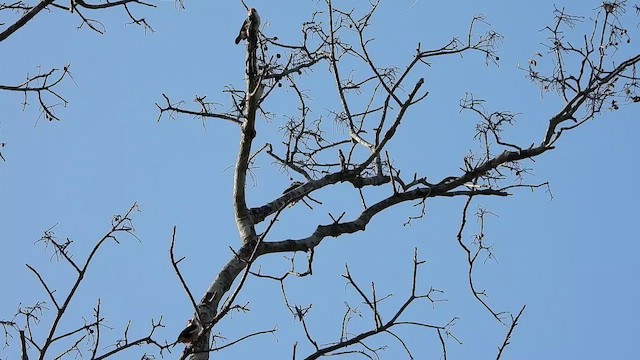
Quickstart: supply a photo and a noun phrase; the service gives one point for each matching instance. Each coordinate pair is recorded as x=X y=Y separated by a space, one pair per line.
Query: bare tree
x=586 y=76
x=588 y=72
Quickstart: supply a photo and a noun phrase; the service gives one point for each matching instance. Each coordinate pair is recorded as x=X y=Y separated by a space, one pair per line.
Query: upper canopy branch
x=444 y=188
x=254 y=85
x=588 y=72
x=31 y=11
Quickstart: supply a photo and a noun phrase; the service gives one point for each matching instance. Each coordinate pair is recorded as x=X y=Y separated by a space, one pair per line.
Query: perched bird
x=190 y=333
x=250 y=25
x=293 y=186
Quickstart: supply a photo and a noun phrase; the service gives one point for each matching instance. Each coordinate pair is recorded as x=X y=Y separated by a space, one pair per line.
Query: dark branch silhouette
x=43 y=85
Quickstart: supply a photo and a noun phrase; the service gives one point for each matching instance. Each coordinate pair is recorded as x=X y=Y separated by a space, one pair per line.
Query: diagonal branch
x=24 y=19
x=174 y=263
x=514 y=323
x=443 y=188
x=119 y=224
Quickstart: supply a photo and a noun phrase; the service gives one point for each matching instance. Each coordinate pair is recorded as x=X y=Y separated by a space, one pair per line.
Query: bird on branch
x=249 y=26
x=295 y=185
x=190 y=333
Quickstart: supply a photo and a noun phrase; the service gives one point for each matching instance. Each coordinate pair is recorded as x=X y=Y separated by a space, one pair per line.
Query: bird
x=190 y=333
x=250 y=25
x=293 y=186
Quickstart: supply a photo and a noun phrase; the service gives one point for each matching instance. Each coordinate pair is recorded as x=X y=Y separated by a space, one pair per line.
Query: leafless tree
x=586 y=76
x=586 y=71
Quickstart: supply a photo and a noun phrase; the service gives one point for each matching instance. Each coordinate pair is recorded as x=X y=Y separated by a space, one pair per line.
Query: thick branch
x=24 y=19
x=243 y=219
x=109 y=4
x=443 y=188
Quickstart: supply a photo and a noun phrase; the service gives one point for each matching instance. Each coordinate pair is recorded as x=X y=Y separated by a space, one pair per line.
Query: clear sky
x=571 y=258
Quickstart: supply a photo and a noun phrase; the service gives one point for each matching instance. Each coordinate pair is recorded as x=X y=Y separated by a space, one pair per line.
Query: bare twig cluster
x=589 y=72
x=356 y=343
x=85 y=339
x=43 y=85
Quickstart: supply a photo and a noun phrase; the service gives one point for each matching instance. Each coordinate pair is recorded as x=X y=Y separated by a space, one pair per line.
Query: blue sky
x=572 y=258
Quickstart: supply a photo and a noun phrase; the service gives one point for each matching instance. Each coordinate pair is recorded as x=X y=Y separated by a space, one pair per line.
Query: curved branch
x=109 y=4
x=174 y=263
x=244 y=222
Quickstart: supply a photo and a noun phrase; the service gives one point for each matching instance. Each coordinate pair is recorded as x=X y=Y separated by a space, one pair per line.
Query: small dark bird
x=250 y=24
x=190 y=333
x=293 y=185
